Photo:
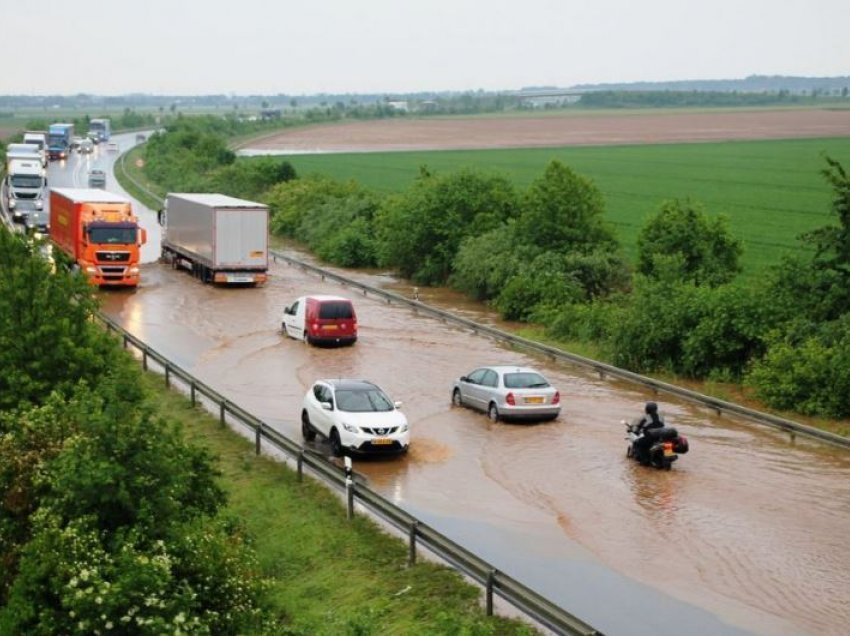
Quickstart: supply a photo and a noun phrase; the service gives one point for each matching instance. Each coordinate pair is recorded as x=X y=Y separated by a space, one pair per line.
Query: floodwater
x=745 y=534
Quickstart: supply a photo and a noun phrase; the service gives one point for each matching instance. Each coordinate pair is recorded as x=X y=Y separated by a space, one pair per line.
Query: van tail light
x=509 y=398
x=556 y=399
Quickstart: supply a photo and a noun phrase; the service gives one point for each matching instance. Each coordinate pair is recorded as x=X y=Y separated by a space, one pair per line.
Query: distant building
x=400 y=106
x=267 y=114
x=428 y=106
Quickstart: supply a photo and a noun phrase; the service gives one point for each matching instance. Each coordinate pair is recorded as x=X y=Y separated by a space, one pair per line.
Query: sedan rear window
x=525 y=381
x=335 y=310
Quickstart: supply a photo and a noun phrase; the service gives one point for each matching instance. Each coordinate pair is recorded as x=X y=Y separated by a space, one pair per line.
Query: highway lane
x=745 y=534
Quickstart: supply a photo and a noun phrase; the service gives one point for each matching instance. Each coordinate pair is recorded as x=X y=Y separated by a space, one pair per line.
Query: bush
x=807 y=373
x=709 y=253
x=543 y=284
x=421 y=230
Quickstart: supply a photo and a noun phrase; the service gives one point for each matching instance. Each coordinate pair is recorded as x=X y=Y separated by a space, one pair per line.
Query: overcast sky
x=395 y=46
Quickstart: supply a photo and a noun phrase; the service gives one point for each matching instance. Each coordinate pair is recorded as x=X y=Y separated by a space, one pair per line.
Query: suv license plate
x=382 y=441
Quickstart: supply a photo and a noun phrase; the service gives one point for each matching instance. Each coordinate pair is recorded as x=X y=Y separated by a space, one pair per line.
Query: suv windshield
x=363 y=401
x=330 y=310
x=525 y=381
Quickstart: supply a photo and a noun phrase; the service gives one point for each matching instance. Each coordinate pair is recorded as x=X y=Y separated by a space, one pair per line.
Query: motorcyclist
x=651 y=419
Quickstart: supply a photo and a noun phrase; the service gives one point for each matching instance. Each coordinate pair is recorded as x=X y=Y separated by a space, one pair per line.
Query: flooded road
x=745 y=534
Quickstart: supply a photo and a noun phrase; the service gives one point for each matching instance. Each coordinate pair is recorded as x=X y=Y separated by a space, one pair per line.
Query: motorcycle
x=664 y=448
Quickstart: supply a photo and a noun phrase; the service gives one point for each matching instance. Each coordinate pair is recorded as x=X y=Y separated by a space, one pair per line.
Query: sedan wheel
x=456 y=399
x=307 y=430
x=493 y=412
x=336 y=444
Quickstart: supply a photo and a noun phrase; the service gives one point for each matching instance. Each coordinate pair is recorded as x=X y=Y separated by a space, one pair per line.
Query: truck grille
x=113 y=257
x=25 y=195
x=112 y=271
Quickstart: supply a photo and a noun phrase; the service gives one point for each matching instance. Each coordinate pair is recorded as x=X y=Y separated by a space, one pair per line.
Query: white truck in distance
x=25 y=185
x=220 y=239
x=38 y=138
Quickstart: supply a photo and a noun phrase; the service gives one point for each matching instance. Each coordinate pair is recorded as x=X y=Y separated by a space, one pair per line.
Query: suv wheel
x=336 y=444
x=307 y=430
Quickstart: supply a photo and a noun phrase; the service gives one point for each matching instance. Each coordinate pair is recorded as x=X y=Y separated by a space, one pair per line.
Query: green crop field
x=772 y=191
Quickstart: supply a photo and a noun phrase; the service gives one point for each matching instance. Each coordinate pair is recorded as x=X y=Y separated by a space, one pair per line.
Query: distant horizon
x=528 y=88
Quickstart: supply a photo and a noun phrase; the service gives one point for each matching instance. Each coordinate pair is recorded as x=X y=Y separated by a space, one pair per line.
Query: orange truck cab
x=321 y=319
x=99 y=231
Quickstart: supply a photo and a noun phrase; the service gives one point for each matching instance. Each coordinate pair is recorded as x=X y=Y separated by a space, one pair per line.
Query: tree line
x=546 y=255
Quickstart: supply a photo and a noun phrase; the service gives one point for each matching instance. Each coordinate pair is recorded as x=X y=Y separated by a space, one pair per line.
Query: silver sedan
x=505 y=392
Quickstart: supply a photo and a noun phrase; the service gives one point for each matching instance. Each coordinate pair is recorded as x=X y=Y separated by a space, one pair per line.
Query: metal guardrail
x=601 y=368
x=525 y=599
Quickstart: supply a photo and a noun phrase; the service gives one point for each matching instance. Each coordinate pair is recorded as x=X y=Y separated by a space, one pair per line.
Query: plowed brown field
x=549 y=130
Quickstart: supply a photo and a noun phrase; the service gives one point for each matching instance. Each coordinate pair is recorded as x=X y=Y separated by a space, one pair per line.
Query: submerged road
x=746 y=534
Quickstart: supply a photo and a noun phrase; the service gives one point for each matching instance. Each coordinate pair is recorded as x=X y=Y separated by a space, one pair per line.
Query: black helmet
x=650 y=408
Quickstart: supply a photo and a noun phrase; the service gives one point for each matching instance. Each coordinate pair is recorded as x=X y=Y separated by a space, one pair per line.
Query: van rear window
x=335 y=310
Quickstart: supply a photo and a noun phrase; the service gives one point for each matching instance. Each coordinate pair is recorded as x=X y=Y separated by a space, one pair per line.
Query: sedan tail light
x=509 y=398
x=557 y=398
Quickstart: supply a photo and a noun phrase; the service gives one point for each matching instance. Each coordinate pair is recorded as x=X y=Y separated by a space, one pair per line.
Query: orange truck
x=100 y=232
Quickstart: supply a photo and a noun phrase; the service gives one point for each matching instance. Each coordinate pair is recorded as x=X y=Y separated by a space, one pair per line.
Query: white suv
x=355 y=416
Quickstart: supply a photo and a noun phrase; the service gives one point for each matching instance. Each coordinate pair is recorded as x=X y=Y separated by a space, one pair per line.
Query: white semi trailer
x=220 y=239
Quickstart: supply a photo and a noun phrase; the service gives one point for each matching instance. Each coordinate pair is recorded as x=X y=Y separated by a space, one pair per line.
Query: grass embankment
x=328 y=575
x=128 y=169
x=772 y=191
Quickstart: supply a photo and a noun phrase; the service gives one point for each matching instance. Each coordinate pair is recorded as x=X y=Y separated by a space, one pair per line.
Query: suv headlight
x=350 y=427
x=403 y=428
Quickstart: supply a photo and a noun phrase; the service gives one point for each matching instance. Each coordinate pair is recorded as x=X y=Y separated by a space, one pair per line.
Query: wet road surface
x=747 y=533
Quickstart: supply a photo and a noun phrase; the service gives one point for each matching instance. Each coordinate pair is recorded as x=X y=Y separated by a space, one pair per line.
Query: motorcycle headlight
x=350 y=427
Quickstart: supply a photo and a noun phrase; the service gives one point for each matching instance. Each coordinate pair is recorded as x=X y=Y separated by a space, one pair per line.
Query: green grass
x=130 y=168
x=328 y=575
x=772 y=191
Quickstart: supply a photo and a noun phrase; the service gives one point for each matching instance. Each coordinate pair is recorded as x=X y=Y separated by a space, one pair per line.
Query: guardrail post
x=411 y=552
x=167 y=375
x=491 y=579
x=124 y=339
x=192 y=392
x=299 y=462
x=349 y=492
x=145 y=359
x=221 y=410
x=258 y=438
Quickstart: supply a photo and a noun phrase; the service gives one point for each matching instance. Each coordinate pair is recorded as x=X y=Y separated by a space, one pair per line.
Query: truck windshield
x=36 y=142
x=25 y=181
x=56 y=140
x=112 y=236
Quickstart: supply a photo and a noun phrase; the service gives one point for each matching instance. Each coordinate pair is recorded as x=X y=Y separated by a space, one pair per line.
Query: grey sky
x=392 y=46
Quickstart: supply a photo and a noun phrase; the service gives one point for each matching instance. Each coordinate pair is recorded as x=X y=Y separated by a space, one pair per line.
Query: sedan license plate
x=534 y=400
x=382 y=441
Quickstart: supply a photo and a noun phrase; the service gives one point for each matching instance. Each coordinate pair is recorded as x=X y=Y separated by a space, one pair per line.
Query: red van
x=321 y=320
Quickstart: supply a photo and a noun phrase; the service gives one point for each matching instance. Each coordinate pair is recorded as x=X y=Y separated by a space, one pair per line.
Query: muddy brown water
x=749 y=526
x=747 y=533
